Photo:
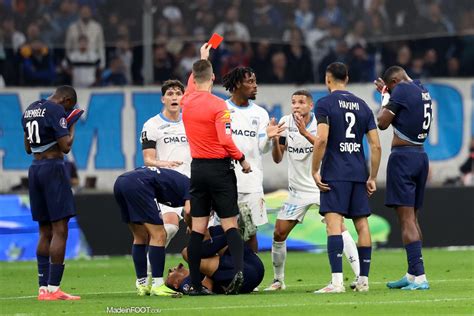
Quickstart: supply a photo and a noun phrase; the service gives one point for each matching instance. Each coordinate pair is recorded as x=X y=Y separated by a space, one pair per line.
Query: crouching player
x=217 y=267
x=138 y=193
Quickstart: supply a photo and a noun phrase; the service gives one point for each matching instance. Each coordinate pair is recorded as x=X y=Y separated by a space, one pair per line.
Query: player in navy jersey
x=138 y=193
x=343 y=120
x=48 y=136
x=407 y=107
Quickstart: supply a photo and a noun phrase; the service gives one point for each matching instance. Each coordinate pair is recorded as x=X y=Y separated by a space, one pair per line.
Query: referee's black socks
x=194 y=258
x=236 y=248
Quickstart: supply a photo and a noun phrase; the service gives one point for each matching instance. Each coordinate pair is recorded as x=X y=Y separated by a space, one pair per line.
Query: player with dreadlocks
x=252 y=131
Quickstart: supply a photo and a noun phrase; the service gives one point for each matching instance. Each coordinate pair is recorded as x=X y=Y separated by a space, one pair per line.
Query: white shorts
x=177 y=210
x=295 y=209
x=256 y=203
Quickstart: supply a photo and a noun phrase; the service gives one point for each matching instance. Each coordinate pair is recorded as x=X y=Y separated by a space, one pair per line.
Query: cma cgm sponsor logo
x=175 y=139
x=299 y=150
x=244 y=133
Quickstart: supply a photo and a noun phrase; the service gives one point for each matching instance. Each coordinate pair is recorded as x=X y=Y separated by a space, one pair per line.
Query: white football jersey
x=300 y=154
x=249 y=133
x=171 y=141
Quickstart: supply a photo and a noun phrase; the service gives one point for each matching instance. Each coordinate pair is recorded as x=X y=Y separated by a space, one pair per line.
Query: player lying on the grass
x=407 y=108
x=298 y=141
x=217 y=267
x=49 y=135
x=138 y=193
x=345 y=183
x=165 y=145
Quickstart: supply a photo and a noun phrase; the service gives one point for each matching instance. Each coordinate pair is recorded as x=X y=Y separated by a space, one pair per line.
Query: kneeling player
x=138 y=193
x=218 y=268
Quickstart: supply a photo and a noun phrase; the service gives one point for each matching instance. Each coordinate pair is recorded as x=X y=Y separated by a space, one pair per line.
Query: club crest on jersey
x=225 y=118
x=255 y=121
x=63 y=122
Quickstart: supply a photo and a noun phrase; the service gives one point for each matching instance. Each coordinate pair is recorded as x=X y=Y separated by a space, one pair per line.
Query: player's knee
x=279 y=234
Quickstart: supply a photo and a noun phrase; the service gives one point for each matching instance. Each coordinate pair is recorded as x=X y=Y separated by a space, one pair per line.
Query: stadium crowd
x=99 y=42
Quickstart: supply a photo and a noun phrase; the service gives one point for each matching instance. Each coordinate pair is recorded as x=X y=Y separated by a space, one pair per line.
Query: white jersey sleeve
x=300 y=154
x=264 y=143
x=248 y=125
x=169 y=140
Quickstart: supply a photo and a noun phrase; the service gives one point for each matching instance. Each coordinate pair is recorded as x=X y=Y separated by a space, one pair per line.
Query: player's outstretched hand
x=324 y=187
x=205 y=48
x=371 y=187
x=246 y=168
x=169 y=164
x=274 y=129
x=379 y=85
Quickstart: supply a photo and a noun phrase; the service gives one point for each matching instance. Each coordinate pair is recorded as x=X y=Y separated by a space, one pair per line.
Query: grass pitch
x=109 y=283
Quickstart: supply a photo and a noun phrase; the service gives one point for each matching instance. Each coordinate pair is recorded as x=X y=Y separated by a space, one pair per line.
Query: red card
x=215 y=40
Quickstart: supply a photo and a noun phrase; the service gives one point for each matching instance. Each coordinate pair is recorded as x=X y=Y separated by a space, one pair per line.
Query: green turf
x=106 y=283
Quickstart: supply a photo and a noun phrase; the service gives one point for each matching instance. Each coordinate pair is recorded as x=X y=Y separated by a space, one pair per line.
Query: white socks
x=351 y=253
x=141 y=281
x=279 y=259
x=337 y=279
x=420 y=278
x=52 y=288
x=171 y=231
x=410 y=277
x=157 y=282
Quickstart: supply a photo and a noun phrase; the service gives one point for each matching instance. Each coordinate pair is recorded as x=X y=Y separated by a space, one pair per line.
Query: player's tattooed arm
x=27 y=144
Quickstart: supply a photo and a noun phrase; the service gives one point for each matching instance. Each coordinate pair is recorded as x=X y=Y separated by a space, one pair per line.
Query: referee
x=207 y=123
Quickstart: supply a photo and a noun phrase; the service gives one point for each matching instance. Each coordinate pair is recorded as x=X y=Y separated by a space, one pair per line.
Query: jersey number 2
x=350 y=119
x=33 y=130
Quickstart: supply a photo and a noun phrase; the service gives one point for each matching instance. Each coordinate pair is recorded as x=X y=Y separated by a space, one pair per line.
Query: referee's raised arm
x=207 y=123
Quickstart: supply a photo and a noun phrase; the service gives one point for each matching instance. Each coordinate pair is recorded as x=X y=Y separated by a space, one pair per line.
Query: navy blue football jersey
x=171 y=187
x=349 y=119
x=411 y=104
x=44 y=122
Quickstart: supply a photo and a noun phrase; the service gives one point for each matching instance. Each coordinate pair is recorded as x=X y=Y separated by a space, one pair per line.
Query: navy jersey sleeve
x=322 y=111
x=398 y=99
x=57 y=121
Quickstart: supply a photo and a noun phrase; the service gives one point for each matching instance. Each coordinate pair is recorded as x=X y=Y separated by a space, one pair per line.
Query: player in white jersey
x=252 y=134
x=298 y=140
x=164 y=145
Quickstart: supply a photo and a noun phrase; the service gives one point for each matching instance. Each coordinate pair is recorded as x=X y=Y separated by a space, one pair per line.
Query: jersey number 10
x=33 y=130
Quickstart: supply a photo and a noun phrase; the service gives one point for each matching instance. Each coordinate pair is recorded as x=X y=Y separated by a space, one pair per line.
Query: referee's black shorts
x=213 y=185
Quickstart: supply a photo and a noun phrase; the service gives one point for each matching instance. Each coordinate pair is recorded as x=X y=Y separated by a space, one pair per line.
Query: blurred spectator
x=304 y=17
x=432 y=66
x=404 y=57
x=231 y=24
x=93 y=30
x=188 y=56
x=12 y=38
x=416 y=70
x=340 y=54
x=279 y=69
x=115 y=75
x=402 y=15
x=37 y=64
x=82 y=64
x=260 y=62
x=356 y=35
x=316 y=41
x=361 y=65
x=266 y=20
x=298 y=56
x=204 y=24
x=333 y=13
x=111 y=27
x=63 y=18
x=123 y=51
x=237 y=55
x=163 y=64
x=453 y=67
x=435 y=21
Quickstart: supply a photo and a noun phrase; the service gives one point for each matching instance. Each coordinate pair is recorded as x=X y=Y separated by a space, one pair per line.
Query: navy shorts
x=253 y=272
x=50 y=191
x=349 y=199
x=137 y=201
x=407 y=171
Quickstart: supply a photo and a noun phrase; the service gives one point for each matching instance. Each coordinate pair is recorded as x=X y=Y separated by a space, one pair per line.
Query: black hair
x=338 y=70
x=171 y=84
x=235 y=76
x=67 y=92
x=390 y=73
x=303 y=92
